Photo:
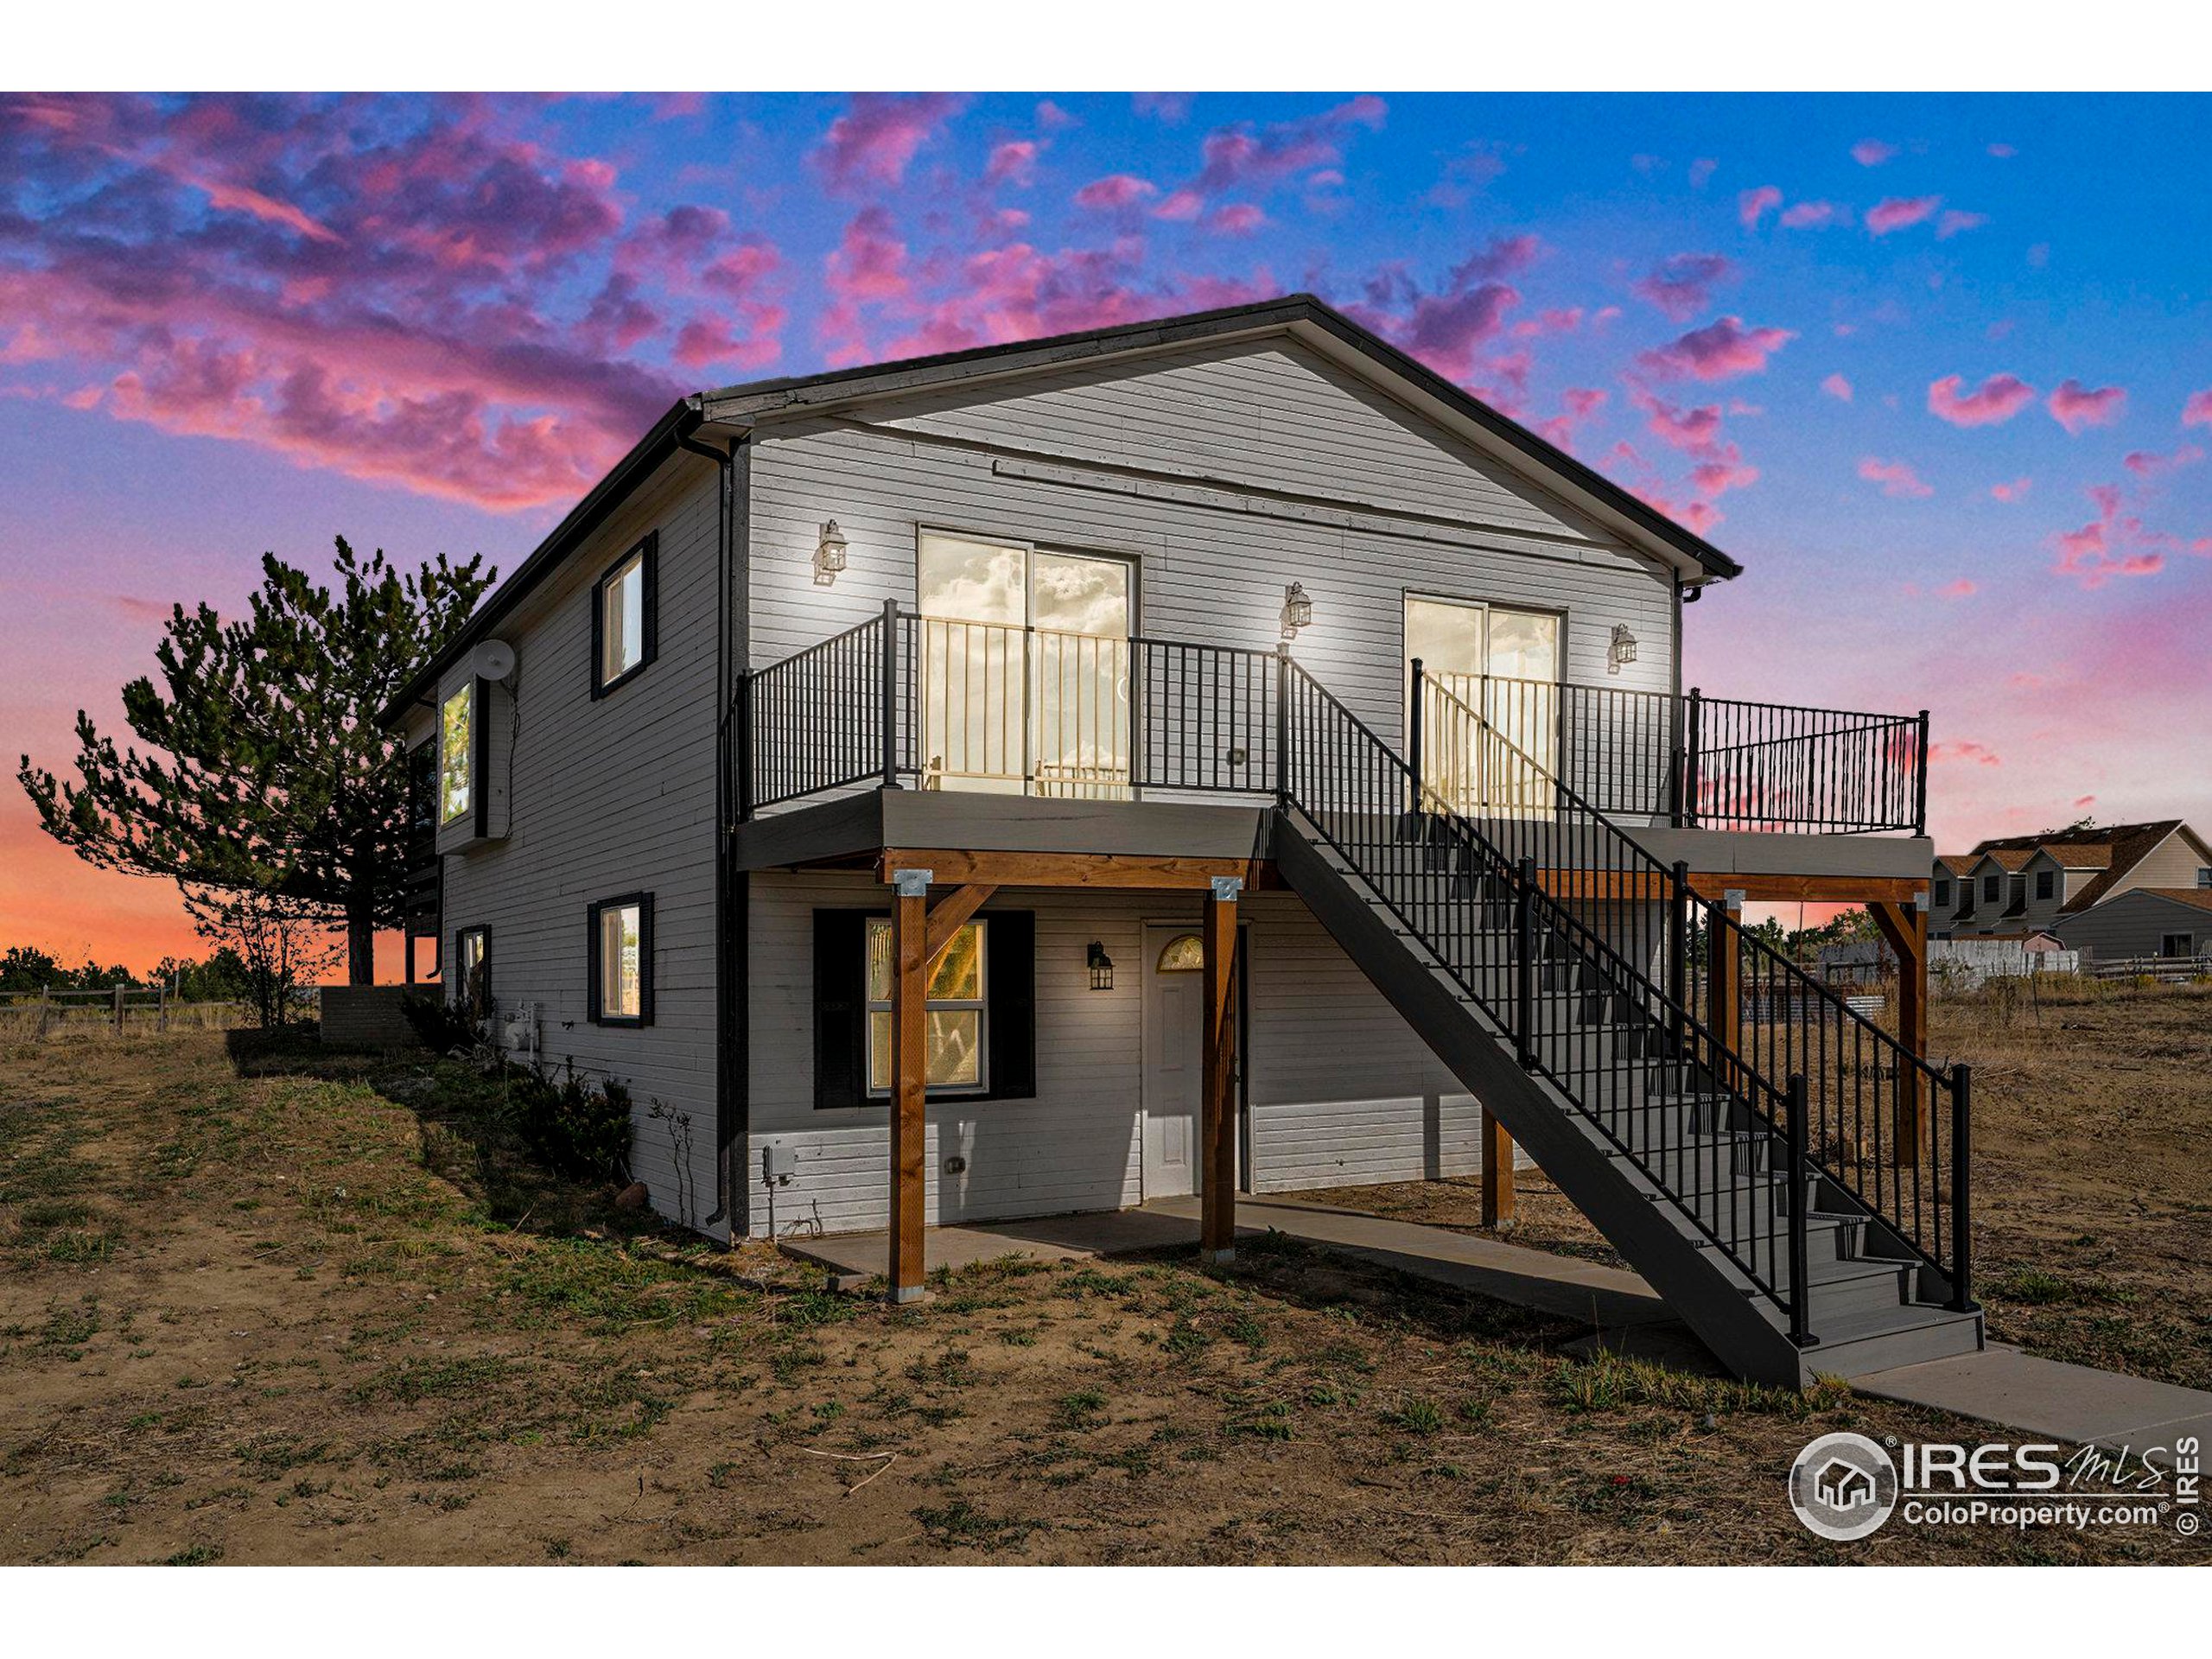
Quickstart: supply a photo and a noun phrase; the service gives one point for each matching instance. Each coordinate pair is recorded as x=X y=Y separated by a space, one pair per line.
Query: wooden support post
x=45 y=1008
x=909 y=1131
x=1218 y=1101
x=1904 y=929
x=1724 y=981
x=161 y=1006
x=1498 y=1172
x=118 y=1010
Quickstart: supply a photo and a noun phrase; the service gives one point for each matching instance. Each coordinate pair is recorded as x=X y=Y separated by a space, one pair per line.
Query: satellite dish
x=494 y=659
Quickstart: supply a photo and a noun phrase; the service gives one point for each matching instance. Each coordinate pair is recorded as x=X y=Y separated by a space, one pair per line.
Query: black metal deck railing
x=1888 y=1129
x=902 y=699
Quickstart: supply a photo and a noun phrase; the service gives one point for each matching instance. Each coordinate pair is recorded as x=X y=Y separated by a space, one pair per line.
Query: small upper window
x=1184 y=954
x=622 y=960
x=2045 y=880
x=1942 y=892
x=457 y=755
x=2204 y=877
x=1989 y=887
x=623 y=627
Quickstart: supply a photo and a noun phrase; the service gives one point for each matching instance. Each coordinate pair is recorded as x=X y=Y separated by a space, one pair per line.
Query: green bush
x=574 y=1125
x=442 y=1026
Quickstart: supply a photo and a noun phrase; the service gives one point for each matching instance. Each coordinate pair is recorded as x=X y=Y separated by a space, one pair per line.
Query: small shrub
x=577 y=1127
x=441 y=1025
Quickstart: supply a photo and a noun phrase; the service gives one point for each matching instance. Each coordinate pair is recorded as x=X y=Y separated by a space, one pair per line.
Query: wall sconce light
x=1622 y=649
x=1102 y=967
x=828 y=554
x=1297 y=610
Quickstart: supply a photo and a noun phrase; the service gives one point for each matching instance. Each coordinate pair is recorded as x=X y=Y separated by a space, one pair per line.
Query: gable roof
x=2132 y=844
x=732 y=410
x=1957 y=863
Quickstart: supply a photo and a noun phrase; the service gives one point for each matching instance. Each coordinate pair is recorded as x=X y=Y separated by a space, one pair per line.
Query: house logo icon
x=1843 y=1486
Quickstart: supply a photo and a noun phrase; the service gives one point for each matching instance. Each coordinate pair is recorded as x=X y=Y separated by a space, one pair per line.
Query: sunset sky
x=1937 y=370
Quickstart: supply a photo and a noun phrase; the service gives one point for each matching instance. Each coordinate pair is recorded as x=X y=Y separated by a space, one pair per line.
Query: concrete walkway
x=2070 y=1404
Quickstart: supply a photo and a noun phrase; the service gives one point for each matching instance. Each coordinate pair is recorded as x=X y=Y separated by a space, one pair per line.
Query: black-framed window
x=1005 y=1029
x=625 y=617
x=2178 y=944
x=1990 y=889
x=1942 y=892
x=621 y=952
x=2046 y=881
x=457 y=742
x=956 y=1018
x=472 y=971
x=2203 y=876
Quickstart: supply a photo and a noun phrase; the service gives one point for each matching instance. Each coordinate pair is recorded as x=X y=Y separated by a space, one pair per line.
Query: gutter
x=669 y=434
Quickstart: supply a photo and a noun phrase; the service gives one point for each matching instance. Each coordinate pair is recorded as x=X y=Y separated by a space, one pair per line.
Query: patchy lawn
x=2093 y=1187
x=292 y=1309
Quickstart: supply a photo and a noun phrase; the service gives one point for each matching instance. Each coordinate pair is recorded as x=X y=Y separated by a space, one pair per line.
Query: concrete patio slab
x=2074 y=1405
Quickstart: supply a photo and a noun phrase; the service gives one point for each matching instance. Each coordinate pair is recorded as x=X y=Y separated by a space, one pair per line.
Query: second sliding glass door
x=1025 y=683
x=1502 y=666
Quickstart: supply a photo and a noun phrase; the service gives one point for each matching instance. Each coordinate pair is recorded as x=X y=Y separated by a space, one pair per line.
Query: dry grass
x=313 y=1314
x=2092 y=1188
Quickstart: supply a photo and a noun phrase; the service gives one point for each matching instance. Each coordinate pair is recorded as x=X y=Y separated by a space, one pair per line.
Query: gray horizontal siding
x=613 y=796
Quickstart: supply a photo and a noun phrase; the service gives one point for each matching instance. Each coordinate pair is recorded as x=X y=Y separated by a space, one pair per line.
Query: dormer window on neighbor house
x=2046 y=881
x=457 y=755
x=1942 y=893
x=1990 y=888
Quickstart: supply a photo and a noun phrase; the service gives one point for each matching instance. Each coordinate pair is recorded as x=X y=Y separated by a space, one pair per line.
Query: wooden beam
x=1217 y=1098
x=1904 y=929
x=909 y=1131
x=1656 y=886
x=1497 y=1174
x=1098 y=871
x=1724 y=976
x=948 y=916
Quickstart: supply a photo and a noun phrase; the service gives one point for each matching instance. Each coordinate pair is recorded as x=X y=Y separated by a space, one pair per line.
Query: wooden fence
x=2174 y=969
x=115 y=1007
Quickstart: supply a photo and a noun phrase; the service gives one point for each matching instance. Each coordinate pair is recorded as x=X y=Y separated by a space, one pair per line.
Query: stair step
x=1852 y=1345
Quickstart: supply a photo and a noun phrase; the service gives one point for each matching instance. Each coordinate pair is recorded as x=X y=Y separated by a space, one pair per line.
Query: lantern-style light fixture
x=1102 y=967
x=1622 y=651
x=1297 y=610
x=828 y=554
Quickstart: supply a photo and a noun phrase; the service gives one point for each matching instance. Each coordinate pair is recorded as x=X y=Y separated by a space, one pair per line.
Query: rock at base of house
x=632 y=1196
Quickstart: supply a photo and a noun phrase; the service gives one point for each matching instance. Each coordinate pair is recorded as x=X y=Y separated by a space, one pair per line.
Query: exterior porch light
x=828 y=554
x=1297 y=610
x=1102 y=967
x=1622 y=649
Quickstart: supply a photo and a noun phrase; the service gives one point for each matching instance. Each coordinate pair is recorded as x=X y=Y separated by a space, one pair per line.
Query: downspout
x=727 y=1192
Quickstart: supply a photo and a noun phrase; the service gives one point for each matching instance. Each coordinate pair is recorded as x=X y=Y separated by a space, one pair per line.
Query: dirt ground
x=280 y=1308
x=2093 y=1175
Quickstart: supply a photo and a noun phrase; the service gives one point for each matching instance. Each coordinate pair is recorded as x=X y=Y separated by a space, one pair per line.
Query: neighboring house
x=1187 y=758
x=2023 y=884
x=2172 y=923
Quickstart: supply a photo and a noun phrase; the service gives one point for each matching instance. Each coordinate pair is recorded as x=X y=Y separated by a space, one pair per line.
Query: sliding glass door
x=1025 y=669
x=1501 y=664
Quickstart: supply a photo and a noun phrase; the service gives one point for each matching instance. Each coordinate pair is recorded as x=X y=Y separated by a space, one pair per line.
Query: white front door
x=1173 y=1022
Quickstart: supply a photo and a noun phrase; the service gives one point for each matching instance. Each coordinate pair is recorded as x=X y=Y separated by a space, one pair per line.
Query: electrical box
x=777 y=1165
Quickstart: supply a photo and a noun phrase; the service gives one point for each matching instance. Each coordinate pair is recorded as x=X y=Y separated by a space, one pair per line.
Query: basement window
x=956 y=1002
x=457 y=755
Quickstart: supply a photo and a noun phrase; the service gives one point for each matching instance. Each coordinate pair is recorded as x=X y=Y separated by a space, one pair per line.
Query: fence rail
x=2170 y=967
x=111 y=1006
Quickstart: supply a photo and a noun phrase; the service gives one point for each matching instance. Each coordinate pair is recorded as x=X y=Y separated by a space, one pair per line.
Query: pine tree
x=265 y=772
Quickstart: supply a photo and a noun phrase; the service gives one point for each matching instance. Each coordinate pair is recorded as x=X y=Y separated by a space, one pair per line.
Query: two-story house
x=1186 y=758
x=2066 y=883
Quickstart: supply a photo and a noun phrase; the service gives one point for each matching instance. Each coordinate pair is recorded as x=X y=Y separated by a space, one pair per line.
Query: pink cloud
x=1960 y=588
x=1996 y=400
x=1755 y=205
x=1953 y=221
x=1448 y=328
x=1013 y=162
x=1964 y=754
x=1115 y=191
x=1180 y=205
x=1717 y=352
x=2147 y=464
x=2013 y=491
x=1243 y=157
x=1898 y=213
x=1693 y=430
x=1813 y=215
x=1681 y=284
x=2076 y=406
x=1578 y=404
x=2197 y=411
x=1872 y=152
x=2116 y=542
x=1238 y=219
x=2003 y=152
x=1836 y=386
x=1896 y=477
x=873 y=143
